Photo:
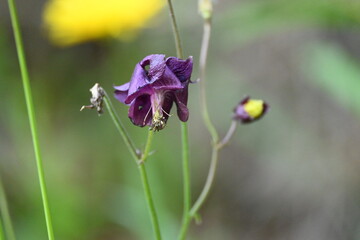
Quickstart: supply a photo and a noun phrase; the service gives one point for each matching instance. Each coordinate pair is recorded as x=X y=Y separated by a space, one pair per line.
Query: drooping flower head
x=249 y=110
x=73 y=21
x=153 y=88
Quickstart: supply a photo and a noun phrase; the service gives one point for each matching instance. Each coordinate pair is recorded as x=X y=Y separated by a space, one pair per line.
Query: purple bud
x=155 y=85
x=249 y=110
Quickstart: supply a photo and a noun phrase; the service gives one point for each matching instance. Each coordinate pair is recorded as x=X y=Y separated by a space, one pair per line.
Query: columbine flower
x=154 y=86
x=249 y=110
x=74 y=21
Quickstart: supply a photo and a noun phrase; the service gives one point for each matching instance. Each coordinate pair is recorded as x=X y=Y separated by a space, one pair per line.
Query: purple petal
x=140 y=111
x=121 y=92
x=156 y=63
x=168 y=81
x=138 y=80
x=167 y=105
x=181 y=68
x=181 y=102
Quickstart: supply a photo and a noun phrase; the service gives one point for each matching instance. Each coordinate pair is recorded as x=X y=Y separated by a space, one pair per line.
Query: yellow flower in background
x=72 y=21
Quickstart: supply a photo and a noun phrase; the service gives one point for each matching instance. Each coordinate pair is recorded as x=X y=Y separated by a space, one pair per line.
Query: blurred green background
x=293 y=175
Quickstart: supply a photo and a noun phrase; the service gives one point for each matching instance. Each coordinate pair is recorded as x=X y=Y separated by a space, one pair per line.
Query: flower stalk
x=140 y=159
x=186 y=219
x=178 y=45
x=31 y=115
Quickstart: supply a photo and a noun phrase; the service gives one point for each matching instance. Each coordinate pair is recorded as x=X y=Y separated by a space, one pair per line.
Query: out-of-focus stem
x=208 y=184
x=228 y=135
x=140 y=160
x=202 y=65
x=5 y=215
x=31 y=114
x=2 y=236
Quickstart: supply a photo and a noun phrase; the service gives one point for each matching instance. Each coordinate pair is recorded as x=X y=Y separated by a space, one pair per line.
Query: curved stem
x=202 y=65
x=140 y=160
x=5 y=215
x=228 y=135
x=209 y=181
x=31 y=114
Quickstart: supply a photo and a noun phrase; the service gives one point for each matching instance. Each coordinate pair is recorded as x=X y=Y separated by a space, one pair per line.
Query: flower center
x=158 y=121
x=254 y=108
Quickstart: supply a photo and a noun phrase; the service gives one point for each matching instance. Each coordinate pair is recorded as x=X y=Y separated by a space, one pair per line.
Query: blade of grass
x=31 y=114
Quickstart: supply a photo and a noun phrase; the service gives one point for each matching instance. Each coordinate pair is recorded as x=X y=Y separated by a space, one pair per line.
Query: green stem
x=185 y=140
x=31 y=114
x=176 y=32
x=186 y=176
x=147 y=146
x=140 y=159
x=120 y=127
x=209 y=181
x=146 y=186
x=5 y=215
x=202 y=65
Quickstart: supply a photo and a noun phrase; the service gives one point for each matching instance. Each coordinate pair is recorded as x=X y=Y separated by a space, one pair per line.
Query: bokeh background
x=292 y=175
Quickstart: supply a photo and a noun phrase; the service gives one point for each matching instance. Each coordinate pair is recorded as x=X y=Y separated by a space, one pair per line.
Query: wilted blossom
x=96 y=100
x=153 y=88
x=249 y=110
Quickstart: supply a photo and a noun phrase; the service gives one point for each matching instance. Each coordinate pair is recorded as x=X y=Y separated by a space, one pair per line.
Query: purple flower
x=249 y=110
x=153 y=88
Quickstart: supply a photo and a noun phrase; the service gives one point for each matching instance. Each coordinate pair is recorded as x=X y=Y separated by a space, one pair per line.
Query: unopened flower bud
x=249 y=110
x=96 y=100
x=205 y=8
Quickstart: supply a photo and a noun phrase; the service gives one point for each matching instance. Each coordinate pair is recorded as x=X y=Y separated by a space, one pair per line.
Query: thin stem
x=120 y=127
x=210 y=126
x=147 y=146
x=150 y=202
x=5 y=215
x=209 y=181
x=140 y=160
x=228 y=135
x=31 y=114
x=176 y=32
x=202 y=65
x=186 y=176
x=146 y=186
x=185 y=139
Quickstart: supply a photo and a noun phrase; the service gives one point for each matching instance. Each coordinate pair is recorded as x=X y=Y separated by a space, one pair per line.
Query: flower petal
x=181 y=68
x=167 y=105
x=168 y=81
x=121 y=92
x=156 y=63
x=138 y=84
x=181 y=102
x=140 y=111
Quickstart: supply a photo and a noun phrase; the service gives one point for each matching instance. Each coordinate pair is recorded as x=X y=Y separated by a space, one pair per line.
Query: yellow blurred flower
x=73 y=21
